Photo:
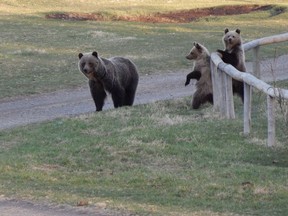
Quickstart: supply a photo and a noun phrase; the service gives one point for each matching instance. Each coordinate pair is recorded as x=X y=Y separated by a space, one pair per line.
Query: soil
x=12 y=207
x=183 y=16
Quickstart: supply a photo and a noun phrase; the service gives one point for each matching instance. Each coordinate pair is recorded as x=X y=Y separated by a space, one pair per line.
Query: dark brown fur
x=234 y=55
x=117 y=76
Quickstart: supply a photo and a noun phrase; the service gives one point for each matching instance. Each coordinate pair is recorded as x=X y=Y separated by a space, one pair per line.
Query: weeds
x=162 y=154
x=276 y=10
x=282 y=102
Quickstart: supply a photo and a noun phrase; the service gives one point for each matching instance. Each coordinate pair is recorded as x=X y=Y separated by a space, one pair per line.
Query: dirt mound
x=183 y=16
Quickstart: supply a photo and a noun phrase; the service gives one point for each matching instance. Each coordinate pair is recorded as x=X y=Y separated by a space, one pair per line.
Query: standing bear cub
x=202 y=73
x=117 y=76
x=234 y=55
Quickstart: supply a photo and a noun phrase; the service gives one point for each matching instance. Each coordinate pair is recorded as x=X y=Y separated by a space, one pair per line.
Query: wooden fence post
x=247 y=108
x=215 y=86
x=271 y=120
x=222 y=93
x=230 y=112
x=221 y=86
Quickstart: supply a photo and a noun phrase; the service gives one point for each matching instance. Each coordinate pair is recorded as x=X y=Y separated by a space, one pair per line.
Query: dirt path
x=27 y=110
x=11 y=207
x=151 y=88
x=77 y=101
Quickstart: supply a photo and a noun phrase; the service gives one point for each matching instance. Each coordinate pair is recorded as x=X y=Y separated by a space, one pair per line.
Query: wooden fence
x=222 y=75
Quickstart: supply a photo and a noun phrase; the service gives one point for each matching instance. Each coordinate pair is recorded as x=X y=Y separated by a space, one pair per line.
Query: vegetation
x=40 y=55
x=114 y=7
x=155 y=159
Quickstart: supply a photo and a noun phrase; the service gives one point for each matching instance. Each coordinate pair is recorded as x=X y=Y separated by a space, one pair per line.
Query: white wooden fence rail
x=222 y=75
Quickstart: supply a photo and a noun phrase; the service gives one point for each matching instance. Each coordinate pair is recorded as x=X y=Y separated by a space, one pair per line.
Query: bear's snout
x=86 y=70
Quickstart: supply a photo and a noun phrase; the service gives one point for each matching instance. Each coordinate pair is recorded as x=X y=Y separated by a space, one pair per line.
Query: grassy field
x=116 y=7
x=39 y=55
x=155 y=159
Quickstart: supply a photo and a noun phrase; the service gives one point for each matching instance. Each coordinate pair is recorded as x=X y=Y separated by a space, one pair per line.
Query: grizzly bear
x=202 y=73
x=234 y=55
x=117 y=76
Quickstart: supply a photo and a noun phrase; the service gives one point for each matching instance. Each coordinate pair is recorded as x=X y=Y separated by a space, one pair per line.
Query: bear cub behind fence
x=202 y=73
x=234 y=55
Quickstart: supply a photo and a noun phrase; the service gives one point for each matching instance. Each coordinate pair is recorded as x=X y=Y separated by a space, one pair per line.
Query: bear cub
x=234 y=55
x=117 y=76
x=202 y=73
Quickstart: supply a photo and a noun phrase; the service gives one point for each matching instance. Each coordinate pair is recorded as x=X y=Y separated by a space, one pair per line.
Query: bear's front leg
x=193 y=75
x=220 y=53
x=98 y=94
x=228 y=58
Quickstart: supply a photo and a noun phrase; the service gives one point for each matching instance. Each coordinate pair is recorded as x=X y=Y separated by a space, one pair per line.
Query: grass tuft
x=157 y=159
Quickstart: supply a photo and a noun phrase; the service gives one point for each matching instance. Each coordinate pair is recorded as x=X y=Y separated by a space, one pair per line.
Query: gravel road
x=151 y=88
x=26 y=110
x=65 y=103
x=12 y=207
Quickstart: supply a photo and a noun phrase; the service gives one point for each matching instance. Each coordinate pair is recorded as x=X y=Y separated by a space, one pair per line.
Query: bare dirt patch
x=183 y=16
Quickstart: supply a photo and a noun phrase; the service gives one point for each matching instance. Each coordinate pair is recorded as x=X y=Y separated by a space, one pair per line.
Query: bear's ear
x=226 y=30
x=95 y=54
x=80 y=55
x=238 y=31
x=198 y=46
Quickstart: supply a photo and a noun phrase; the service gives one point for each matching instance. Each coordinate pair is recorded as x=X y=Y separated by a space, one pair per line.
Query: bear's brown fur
x=117 y=76
x=202 y=73
x=234 y=55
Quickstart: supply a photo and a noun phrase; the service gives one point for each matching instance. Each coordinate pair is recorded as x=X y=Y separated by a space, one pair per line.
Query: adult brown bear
x=117 y=76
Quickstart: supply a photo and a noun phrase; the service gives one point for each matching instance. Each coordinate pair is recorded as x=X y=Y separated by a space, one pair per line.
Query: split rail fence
x=222 y=75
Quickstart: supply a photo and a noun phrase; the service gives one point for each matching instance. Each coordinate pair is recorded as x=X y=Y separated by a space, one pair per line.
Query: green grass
x=113 y=7
x=157 y=159
x=39 y=55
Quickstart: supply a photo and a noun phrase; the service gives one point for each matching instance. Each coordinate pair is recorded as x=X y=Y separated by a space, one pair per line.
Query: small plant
x=283 y=103
x=283 y=107
x=276 y=10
